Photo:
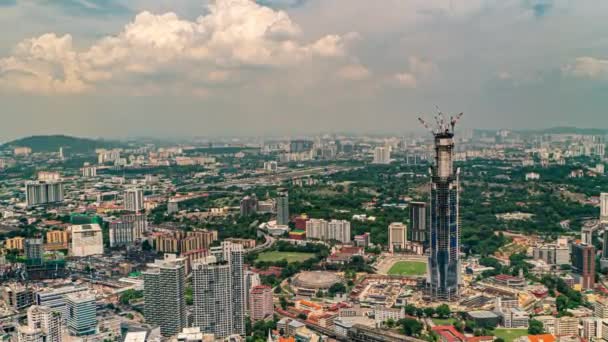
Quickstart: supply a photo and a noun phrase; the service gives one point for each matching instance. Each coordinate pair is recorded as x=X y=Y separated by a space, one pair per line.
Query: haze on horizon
x=170 y=68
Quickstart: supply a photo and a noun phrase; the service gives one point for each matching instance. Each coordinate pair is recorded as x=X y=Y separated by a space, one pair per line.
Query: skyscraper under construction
x=443 y=275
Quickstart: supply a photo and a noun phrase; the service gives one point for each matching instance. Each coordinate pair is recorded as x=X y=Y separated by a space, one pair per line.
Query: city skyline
x=297 y=64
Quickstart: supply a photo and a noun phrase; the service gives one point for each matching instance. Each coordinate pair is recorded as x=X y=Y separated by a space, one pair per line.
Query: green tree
x=443 y=311
x=411 y=326
x=535 y=327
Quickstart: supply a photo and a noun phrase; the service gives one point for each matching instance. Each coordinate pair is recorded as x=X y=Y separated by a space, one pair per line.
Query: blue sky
x=121 y=68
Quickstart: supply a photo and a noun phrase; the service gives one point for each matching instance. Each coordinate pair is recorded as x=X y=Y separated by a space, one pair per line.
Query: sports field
x=510 y=334
x=289 y=256
x=408 y=268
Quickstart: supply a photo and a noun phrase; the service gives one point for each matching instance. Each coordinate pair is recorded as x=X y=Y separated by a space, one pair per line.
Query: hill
x=52 y=143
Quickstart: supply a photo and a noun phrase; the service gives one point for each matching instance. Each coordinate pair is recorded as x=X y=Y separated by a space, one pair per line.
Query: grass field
x=442 y=321
x=408 y=268
x=289 y=256
x=510 y=334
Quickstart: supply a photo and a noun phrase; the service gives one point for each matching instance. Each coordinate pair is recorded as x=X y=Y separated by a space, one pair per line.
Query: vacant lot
x=289 y=256
x=408 y=268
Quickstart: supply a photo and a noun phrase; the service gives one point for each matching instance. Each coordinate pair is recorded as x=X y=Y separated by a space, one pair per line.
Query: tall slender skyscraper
x=444 y=260
x=418 y=227
x=282 y=207
x=232 y=254
x=165 y=303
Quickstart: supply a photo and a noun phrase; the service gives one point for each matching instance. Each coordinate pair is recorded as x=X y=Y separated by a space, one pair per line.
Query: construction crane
x=441 y=124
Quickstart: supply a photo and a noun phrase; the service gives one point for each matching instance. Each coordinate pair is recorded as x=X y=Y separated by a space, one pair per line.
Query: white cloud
x=406 y=79
x=588 y=67
x=354 y=72
x=233 y=34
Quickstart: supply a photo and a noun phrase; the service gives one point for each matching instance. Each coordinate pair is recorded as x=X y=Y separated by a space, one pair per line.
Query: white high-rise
x=604 y=207
x=233 y=254
x=43 y=324
x=134 y=200
x=382 y=155
x=338 y=230
x=212 y=294
x=38 y=193
x=87 y=239
x=397 y=236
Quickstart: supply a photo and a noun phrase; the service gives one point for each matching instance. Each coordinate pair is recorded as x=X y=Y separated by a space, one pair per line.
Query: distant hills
x=52 y=143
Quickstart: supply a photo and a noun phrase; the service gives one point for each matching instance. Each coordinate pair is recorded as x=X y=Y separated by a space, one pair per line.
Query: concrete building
x=592 y=328
x=600 y=308
x=165 y=305
x=49 y=176
x=249 y=205
x=56 y=300
x=27 y=334
x=233 y=254
x=334 y=230
x=127 y=230
x=47 y=321
x=87 y=240
x=134 y=200
x=17 y=296
x=583 y=264
x=382 y=155
x=40 y=193
x=515 y=318
x=397 y=236
x=282 y=203
x=57 y=240
x=89 y=172
x=14 y=243
x=34 y=250
x=252 y=280
x=260 y=302
x=212 y=294
x=553 y=254
x=418 y=226
x=82 y=313
x=604 y=207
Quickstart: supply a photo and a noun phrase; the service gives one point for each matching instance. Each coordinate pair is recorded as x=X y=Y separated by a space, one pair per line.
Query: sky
x=183 y=68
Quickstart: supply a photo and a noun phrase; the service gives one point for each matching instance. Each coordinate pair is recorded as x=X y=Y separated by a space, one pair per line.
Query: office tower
x=604 y=207
x=34 y=250
x=134 y=200
x=232 y=254
x=382 y=155
x=56 y=299
x=397 y=233
x=444 y=259
x=418 y=228
x=212 y=294
x=47 y=321
x=89 y=172
x=165 y=305
x=260 y=302
x=583 y=264
x=82 y=313
x=87 y=240
x=282 y=207
x=249 y=205
x=39 y=193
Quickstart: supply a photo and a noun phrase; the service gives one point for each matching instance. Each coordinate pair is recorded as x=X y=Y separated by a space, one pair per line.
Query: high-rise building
x=89 y=172
x=334 y=230
x=39 y=193
x=57 y=239
x=418 y=227
x=47 y=321
x=260 y=302
x=382 y=155
x=56 y=299
x=397 y=236
x=252 y=280
x=49 y=176
x=443 y=276
x=249 y=205
x=34 y=250
x=127 y=230
x=87 y=240
x=82 y=313
x=134 y=200
x=298 y=146
x=233 y=254
x=604 y=207
x=282 y=202
x=583 y=264
x=165 y=304
x=212 y=295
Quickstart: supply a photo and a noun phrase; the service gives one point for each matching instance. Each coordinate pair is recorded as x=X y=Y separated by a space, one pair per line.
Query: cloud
x=419 y=69
x=234 y=35
x=406 y=79
x=89 y=7
x=587 y=67
x=282 y=3
x=354 y=72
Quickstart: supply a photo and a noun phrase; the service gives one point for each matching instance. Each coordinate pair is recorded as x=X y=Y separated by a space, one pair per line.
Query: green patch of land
x=510 y=334
x=408 y=268
x=444 y=321
x=291 y=257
